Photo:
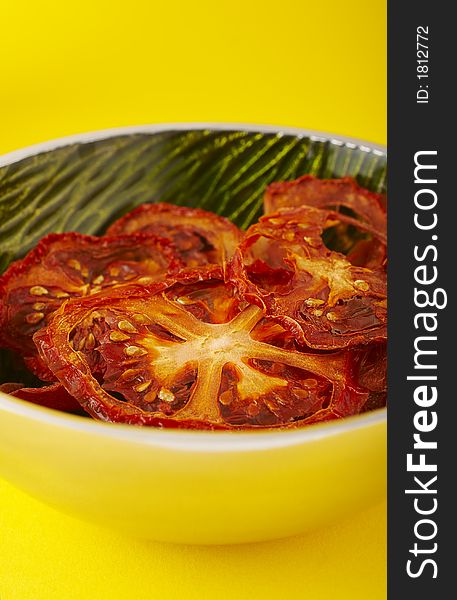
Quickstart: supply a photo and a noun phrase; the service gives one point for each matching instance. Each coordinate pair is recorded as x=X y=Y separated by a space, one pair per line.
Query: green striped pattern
x=84 y=187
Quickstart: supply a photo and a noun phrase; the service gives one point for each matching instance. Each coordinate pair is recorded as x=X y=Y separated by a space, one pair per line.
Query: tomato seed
x=126 y=326
x=117 y=336
x=226 y=398
x=38 y=290
x=142 y=387
x=135 y=351
x=129 y=374
x=34 y=317
x=360 y=284
x=166 y=395
x=74 y=264
x=90 y=341
x=139 y=318
x=39 y=306
x=313 y=302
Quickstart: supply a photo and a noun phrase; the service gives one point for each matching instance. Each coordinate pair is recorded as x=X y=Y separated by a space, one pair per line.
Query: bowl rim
x=180 y=439
x=100 y=134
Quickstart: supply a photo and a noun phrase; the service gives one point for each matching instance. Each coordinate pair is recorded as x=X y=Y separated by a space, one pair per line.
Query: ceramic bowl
x=178 y=486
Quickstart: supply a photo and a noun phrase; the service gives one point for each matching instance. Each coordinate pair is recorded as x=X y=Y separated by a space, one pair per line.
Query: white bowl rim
x=100 y=134
x=180 y=439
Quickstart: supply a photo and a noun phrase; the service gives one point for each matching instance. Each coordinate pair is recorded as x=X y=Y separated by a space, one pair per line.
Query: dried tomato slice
x=372 y=368
x=371 y=365
x=368 y=253
x=364 y=250
x=36 y=366
x=52 y=396
x=201 y=237
x=71 y=265
x=284 y=267
x=328 y=193
x=194 y=356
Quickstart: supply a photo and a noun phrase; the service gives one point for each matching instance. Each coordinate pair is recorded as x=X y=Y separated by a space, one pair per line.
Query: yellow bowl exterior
x=202 y=487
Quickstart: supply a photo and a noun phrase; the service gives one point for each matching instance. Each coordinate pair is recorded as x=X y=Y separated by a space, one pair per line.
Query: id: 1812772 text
x=422 y=68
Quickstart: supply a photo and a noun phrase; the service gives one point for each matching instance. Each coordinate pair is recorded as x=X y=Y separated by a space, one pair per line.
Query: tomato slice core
x=284 y=267
x=169 y=362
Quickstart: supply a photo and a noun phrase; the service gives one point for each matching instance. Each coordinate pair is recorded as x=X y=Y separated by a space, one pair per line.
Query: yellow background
x=68 y=67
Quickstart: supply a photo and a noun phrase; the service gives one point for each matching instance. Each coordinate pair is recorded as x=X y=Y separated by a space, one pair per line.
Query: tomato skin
x=38 y=367
x=201 y=237
x=284 y=267
x=53 y=396
x=327 y=193
x=371 y=366
x=71 y=265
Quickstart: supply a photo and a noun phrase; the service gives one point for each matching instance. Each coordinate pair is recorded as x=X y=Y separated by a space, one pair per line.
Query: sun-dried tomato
x=330 y=194
x=370 y=372
x=201 y=237
x=284 y=267
x=194 y=356
x=71 y=265
x=372 y=367
x=363 y=248
x=52 y=396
